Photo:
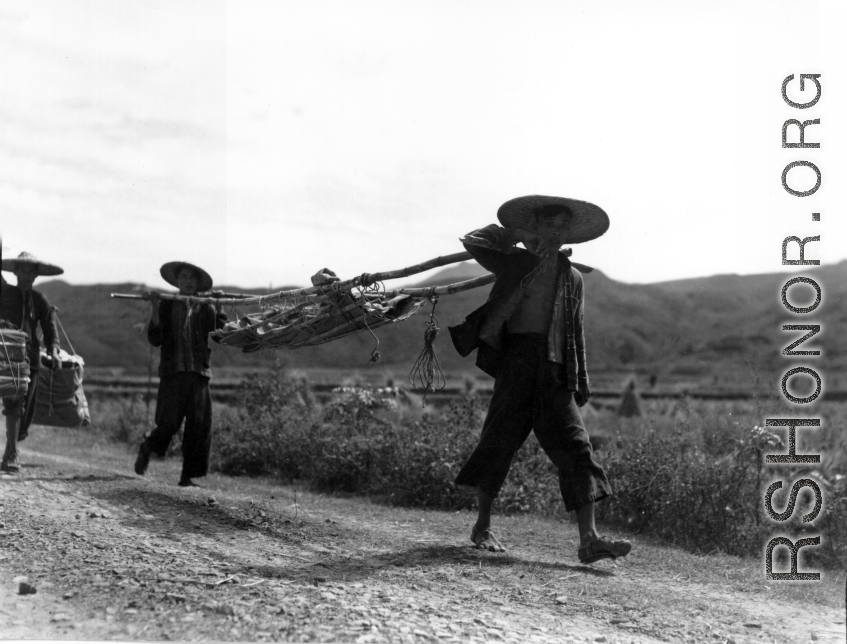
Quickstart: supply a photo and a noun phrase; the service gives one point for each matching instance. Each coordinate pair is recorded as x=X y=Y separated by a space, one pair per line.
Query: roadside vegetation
x=689 y=473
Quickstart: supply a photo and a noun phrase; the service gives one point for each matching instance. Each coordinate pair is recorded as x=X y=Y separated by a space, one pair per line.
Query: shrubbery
x=701 y=485
x=266 y=431
x=364 y=442
x=131 y=420
x=702 y=497
x=689 y=474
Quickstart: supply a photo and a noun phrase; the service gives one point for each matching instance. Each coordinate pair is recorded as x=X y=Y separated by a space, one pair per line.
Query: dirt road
x=113 y=556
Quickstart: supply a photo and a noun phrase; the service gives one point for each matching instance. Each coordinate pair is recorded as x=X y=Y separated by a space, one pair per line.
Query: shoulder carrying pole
x=365 y=279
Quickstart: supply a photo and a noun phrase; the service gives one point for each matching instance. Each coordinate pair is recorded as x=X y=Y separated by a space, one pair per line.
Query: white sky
x=265 y=140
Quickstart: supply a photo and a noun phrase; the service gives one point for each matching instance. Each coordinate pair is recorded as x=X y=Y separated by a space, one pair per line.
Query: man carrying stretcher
x=529 y=336
x=181 y=329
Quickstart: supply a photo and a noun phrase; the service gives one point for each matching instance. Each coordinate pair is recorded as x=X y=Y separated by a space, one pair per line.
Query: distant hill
x=456 y=273
x=725 y=327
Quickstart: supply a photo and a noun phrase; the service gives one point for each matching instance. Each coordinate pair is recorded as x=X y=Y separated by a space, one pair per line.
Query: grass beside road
x=687 y=471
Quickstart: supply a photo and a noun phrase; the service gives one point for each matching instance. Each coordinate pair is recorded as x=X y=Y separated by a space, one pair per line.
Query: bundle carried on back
x=14 y=368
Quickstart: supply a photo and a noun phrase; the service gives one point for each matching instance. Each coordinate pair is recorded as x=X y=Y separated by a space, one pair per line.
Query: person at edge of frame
x=529 y=337
x=24 y=308
x=181 y=329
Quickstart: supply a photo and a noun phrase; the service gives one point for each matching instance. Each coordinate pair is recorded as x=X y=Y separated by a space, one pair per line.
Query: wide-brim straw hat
x=587 y=220
x=170 y=270
x=44 y=268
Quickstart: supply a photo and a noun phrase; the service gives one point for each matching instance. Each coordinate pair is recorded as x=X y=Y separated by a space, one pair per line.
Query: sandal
x=11 y=467
x=486 y=540
x=602 y=548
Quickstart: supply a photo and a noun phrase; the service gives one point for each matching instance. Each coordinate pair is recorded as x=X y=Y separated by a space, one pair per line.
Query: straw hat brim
x=587 y=221
x=170 y=270
x=44 y=268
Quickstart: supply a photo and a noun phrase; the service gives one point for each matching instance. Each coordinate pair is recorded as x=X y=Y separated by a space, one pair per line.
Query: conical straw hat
x=44 y=268
x=587 y=220
x=170 y=270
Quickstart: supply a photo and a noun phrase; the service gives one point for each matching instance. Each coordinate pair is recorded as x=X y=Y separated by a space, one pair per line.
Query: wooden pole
x=366 y=279
x=417 y=268
x=447 y=289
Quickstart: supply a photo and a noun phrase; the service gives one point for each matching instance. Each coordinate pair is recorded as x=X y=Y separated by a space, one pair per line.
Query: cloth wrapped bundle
x=14 y=368
x=316 y=321
x=60 y=400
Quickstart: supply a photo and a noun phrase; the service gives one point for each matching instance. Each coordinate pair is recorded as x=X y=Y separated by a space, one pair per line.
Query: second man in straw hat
x=181 y=329
x=529 y=336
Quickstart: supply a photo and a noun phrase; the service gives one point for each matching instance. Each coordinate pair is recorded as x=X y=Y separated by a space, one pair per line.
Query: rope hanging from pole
x=374 y=288
x=338 y=296
x=426 y=373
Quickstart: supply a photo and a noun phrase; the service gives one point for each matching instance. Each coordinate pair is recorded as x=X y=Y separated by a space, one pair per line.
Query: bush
x=365 y=442
x=267 y=431
x=690 y=472
x=671 y=487
x=123 y=420
x=833 y=523
x=430 y=452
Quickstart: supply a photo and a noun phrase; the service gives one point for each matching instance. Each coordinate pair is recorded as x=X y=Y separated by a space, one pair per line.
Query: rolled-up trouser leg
x=197 y=436
x=561 y=432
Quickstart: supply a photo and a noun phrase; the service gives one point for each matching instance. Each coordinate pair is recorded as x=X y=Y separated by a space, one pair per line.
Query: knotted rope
x=16 y=373
x=426 y=373
x=378 y=288
x=336 y=296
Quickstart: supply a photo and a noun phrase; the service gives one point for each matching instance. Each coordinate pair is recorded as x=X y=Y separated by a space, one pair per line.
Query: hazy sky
x=265 y=140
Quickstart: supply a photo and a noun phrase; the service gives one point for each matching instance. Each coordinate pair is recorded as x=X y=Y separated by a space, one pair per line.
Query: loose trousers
x=184 y=396
x=22 y=408
x=29 y=408
x=23 y=405
x=530 y=394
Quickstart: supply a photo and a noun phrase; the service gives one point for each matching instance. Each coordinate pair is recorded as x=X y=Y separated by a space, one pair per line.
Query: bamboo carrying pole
x=366 y=279
x=447 y=289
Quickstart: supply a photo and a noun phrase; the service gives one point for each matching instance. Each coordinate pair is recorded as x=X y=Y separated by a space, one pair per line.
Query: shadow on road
x=164 y=515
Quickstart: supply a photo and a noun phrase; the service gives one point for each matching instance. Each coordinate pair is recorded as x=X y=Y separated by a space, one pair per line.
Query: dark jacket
x=26 y=310
x=485 y=328
x=204 y=320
